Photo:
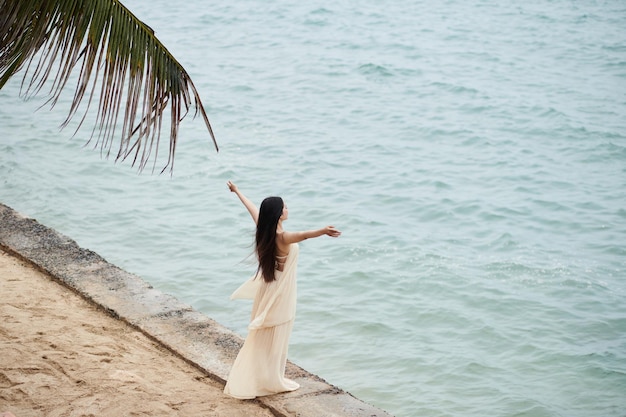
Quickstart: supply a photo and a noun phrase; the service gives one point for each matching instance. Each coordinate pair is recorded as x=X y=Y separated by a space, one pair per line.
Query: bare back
x=282 y=251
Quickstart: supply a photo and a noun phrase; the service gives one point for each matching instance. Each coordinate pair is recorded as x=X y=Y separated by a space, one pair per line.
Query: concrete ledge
x=186 y=332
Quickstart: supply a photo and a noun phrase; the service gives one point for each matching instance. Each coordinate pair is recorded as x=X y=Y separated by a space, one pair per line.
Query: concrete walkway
x=184 y=331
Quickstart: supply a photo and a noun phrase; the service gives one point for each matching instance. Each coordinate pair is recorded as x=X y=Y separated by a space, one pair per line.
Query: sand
x=62 y=356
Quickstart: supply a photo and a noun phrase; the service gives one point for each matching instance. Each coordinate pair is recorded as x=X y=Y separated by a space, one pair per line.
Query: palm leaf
x=136 y=74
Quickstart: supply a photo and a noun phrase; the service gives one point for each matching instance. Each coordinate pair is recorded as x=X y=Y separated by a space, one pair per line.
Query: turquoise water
x=472 y=153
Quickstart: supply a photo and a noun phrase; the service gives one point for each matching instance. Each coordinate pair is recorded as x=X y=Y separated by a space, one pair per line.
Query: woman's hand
x=232 y=187
x=331 y=231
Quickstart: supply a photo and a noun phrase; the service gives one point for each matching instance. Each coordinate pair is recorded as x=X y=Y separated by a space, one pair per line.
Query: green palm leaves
x=122 y=65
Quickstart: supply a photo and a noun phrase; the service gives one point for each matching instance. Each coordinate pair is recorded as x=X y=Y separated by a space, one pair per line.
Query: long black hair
x=269 y=214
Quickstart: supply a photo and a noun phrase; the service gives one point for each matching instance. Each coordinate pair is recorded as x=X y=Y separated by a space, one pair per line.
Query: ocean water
x=473 y=154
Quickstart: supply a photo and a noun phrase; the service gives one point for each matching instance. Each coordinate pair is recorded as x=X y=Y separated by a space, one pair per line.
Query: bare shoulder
x=282 y=242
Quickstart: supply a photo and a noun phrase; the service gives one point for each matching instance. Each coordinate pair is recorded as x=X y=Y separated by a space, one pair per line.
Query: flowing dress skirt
x=260 y=365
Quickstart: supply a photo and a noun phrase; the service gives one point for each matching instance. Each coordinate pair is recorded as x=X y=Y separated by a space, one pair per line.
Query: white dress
x=260 y=365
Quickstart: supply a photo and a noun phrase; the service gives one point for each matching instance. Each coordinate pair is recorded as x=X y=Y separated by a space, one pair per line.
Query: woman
x=260 y=365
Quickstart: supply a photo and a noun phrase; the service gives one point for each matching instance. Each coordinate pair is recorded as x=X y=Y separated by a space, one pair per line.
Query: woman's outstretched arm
x=254 y=212
x=295 y=237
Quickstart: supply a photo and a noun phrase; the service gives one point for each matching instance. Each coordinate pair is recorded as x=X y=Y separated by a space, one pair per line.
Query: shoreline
x=185 y=333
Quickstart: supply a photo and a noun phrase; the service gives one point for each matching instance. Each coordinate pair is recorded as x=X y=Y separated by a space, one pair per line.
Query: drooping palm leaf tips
x=122 y=65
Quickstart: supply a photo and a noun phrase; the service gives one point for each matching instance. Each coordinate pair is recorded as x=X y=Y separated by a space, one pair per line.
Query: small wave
x=241 y=88
x=375 y=70
x=316 y=22
x=452 y=88
x=617 y=47
x=321 y=11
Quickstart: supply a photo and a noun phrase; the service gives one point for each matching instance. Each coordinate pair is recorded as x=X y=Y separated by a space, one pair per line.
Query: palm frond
x=137 y=75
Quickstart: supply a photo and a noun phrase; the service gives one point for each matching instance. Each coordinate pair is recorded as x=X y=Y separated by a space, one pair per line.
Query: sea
x=473 y=154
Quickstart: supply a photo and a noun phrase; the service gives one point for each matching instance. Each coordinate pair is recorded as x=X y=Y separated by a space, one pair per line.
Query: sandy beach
x=62 y=356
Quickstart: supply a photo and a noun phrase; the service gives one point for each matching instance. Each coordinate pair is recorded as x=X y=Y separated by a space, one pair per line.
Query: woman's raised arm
x=295 y=237
x=252 y=209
